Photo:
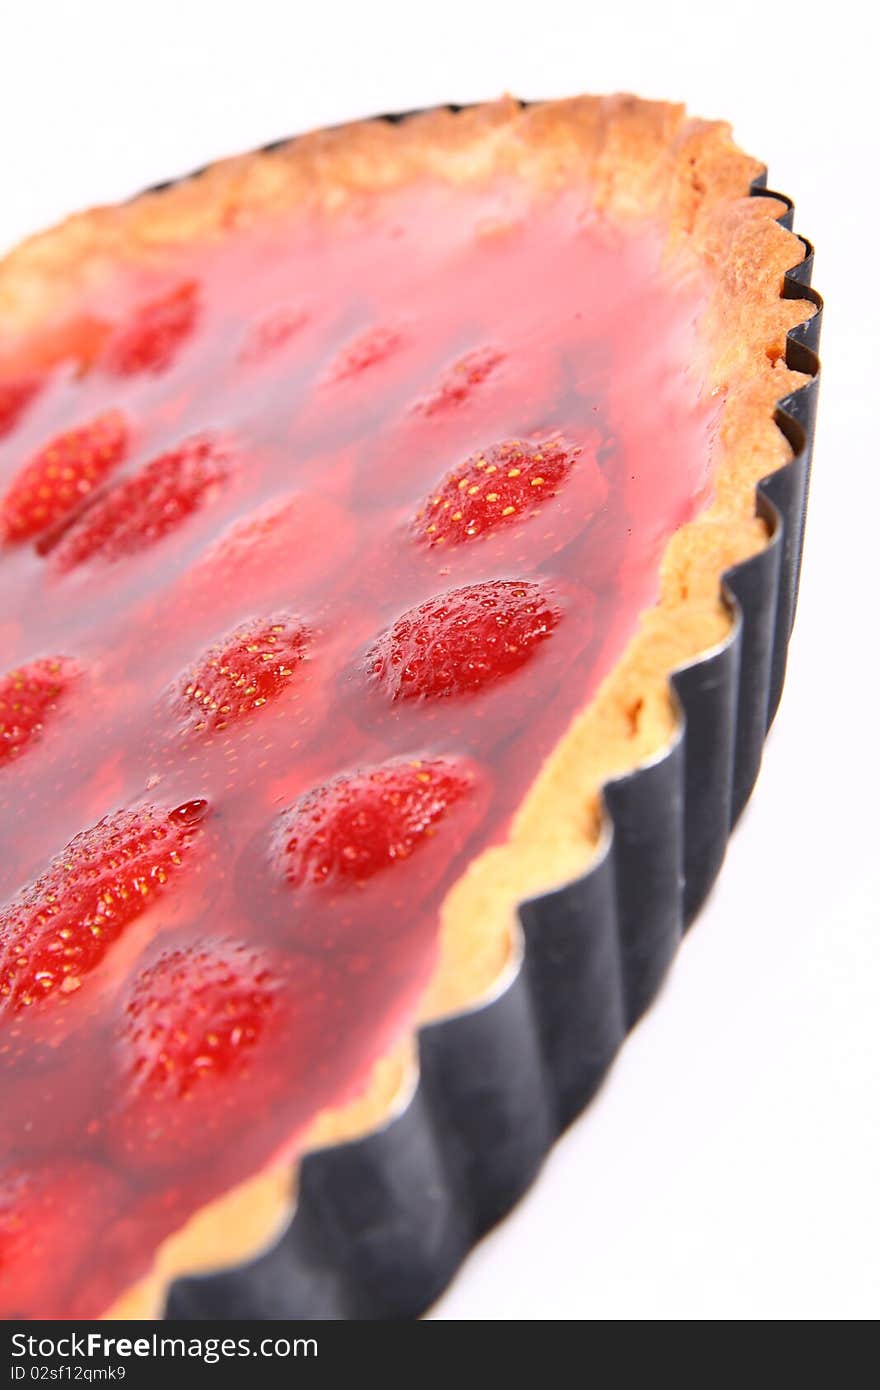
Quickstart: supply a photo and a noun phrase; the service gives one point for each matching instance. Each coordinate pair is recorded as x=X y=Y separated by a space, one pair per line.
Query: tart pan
x=383 y=1222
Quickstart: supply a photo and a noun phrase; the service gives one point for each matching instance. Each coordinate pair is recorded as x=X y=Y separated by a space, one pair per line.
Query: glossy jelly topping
x=313 y=542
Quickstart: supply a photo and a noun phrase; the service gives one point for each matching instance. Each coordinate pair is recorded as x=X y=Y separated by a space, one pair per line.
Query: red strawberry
x=15 y=396
x=28 y=698
x=42 y=1212
x=151 y=339
x=58 y=479
x=461 y=381
x=253 y=665
x=286 y=543
x=203 y=1027
x=61 y=927
x=271 y=334
x=193 y=1016
x=503 y=484
x=357 y=825
x=142 y=509
x=372 y=347
x=462 y=640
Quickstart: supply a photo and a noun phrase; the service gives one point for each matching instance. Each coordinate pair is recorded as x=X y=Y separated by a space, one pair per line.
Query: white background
x=729 y=1169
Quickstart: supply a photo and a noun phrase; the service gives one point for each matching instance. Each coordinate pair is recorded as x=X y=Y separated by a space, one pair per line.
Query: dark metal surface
x=382 y=1223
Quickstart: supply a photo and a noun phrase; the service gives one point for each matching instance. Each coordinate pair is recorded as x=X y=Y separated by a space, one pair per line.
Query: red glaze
x=394 y=487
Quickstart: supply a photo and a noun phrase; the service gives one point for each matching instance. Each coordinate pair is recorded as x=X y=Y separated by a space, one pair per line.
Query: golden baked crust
x=640 y=160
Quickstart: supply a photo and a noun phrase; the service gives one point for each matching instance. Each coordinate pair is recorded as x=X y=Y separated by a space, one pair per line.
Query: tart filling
x=356 y=501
